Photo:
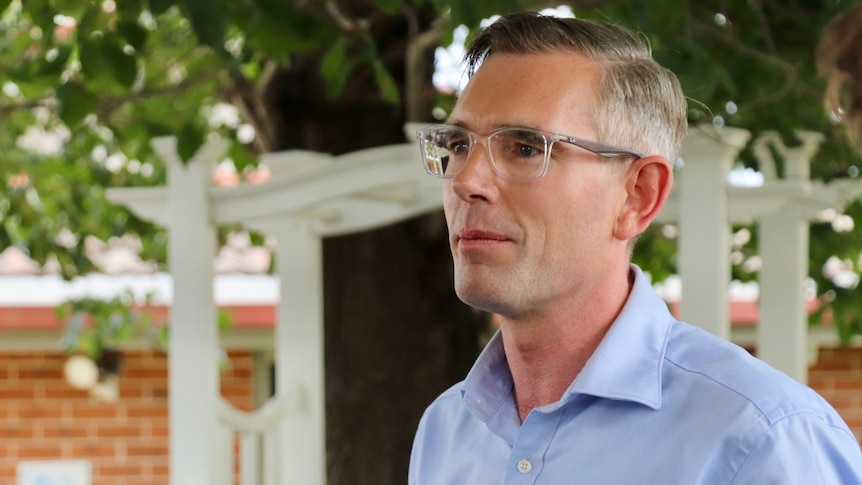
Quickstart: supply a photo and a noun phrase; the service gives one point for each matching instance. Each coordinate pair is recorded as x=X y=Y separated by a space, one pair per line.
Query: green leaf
x=241 y=156
x=189 y=141
x=336 y=67
x=386 y=84
x=465 y=13
x=123 y=67
x=92 y=57
x=36 y=8
x=272 y=36
x=160 y=6
x=156 y=128
x=334 y=59
x=75 y=103
x=134 y=34
x=90 y=22
x=54 y=67
x=225 y=320
x=388 y=6
x=207 y=22
x=335 y=86
x=4 y=4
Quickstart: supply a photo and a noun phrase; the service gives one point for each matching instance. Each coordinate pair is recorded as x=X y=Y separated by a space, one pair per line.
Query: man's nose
x=476 y=178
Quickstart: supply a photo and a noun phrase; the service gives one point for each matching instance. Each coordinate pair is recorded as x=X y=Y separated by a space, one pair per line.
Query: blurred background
x=285 y=89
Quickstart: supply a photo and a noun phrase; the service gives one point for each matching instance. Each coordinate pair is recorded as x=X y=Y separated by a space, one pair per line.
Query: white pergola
x=312 y=195
x=705 y=206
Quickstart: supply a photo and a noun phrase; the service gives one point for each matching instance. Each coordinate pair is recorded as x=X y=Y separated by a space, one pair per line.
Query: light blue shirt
x=659 y=403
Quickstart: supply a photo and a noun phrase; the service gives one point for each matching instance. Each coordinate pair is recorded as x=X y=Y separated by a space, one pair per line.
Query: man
x=590 y=380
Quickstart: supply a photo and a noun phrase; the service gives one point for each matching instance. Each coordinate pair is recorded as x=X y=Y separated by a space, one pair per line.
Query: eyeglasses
x=517 y=153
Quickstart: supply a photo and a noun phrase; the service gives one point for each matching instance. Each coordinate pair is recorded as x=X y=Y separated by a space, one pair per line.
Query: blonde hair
x=640 y=104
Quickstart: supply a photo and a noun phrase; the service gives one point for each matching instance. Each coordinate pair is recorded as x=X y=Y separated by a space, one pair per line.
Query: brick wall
x=837 y=376
x=43 y=418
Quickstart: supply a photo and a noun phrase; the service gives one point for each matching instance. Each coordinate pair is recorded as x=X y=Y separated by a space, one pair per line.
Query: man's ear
x=648 y=182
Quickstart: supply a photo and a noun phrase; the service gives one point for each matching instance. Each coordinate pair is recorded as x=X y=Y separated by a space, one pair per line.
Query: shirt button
x=524 y=466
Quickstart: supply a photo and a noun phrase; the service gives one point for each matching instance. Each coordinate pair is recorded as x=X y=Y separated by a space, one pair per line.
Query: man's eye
x=528 y=151
x=459 y=147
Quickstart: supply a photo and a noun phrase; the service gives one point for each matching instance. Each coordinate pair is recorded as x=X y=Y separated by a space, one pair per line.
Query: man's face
x=522 y=247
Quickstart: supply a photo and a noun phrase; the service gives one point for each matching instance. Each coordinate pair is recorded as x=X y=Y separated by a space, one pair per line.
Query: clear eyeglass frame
x=514 y=152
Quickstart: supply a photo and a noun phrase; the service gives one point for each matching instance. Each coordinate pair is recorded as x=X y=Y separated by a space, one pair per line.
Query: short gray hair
x=640 y=106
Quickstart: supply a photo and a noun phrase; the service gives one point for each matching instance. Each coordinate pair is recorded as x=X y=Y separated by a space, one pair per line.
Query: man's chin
x=486 y=299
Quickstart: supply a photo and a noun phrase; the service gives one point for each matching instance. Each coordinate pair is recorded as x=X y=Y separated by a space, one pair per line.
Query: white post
x=250 y=458
x=299 y=354
x=782 y=333
x=704 y=228
x=193 y=357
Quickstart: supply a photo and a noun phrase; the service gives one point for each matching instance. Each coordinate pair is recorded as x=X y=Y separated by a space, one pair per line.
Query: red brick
x=118 y=470
x=843 y=399
x=115 y=431
x=147 y=411
x=159 y=449
x=93 y=449
x=64 y=392
x=65 y=431
x=839 y=359
x=24 y=356
x=848 y=380
x=143 y=481
x=16 y=432
x=236 y=389
x=40 y=412
x=22 y=393
x=145 y=373
x=92 y=410
x=45 y=373
x=131 y=393
x=157 y=431
x=40 y=451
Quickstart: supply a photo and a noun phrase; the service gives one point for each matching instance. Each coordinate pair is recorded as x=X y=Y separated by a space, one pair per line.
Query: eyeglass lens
x=515 y=152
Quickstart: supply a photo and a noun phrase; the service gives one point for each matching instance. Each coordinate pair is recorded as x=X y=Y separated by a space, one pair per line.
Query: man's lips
x=477 y=236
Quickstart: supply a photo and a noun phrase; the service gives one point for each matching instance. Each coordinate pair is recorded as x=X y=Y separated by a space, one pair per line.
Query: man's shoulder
x=454 y=392
x=735 y=374
x=447 y=401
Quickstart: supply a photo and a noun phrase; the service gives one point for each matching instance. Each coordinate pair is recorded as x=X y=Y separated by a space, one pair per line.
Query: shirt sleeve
x=803 y=449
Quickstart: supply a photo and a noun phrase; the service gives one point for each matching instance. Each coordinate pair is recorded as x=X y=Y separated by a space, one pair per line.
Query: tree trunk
x=396 y=335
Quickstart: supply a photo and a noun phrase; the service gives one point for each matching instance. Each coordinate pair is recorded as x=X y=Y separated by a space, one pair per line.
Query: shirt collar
x=627 y=363
x=489 y=383
x=625 y=366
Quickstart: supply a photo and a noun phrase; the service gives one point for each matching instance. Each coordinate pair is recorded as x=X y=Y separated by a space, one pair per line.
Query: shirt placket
x=528 y=454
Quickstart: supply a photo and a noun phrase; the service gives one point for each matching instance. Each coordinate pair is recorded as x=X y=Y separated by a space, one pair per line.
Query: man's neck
x=546 y=356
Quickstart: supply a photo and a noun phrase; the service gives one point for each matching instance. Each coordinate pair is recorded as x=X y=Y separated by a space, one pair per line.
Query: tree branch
x=253 y=106
x=8 y=109
x=757 y=6
x=416 y=105
x=344 y=23
x=791 y=70
x=839 y=62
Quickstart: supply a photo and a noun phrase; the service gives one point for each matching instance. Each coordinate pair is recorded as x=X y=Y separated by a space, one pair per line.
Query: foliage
x=104 y=77
x=94 y=326
x=752 y=65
